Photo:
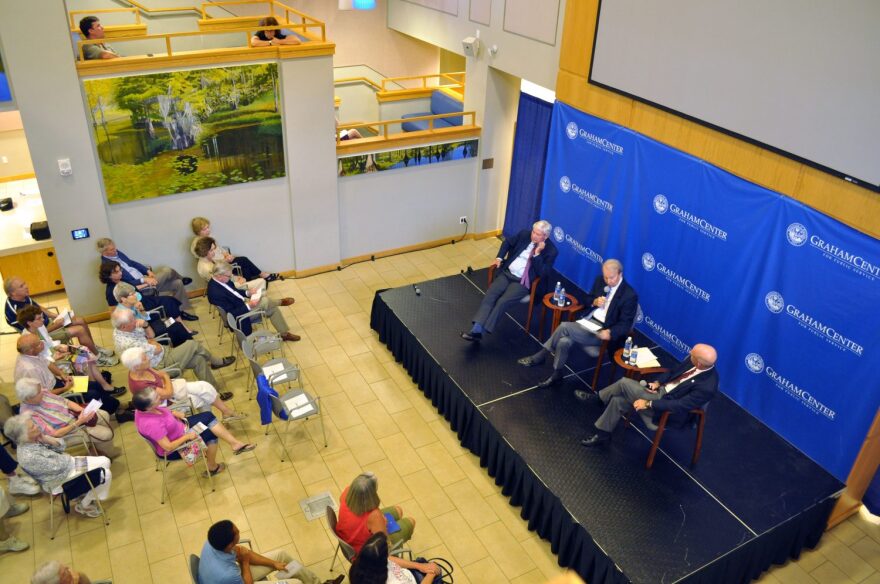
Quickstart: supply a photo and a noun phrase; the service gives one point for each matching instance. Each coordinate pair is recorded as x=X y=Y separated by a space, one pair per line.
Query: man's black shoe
x=188 y=316
x=227 y=361
x=596 y=441
x=123 y=416
x=117 y=391
x=588 y=397
x=554 y=379
x=186 y=281
x=471 y=336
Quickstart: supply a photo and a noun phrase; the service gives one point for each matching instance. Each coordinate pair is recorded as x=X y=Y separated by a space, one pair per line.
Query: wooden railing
x=385 y=134
x=74 y=21
x=276 y=9
x=456 y=81
x=366 y=80
x=172 y=35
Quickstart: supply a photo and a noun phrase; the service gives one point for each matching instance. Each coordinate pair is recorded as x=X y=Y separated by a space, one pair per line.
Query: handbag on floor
x=445 y=575
x=79 y=486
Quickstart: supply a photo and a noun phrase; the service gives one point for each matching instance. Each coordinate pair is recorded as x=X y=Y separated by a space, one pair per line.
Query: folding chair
x=55 y=490
x=166 y=461
x=278 y=370
x=296 y=405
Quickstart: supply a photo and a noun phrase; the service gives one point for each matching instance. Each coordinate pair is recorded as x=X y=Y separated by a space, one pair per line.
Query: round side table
x=571 y=306
x=633 y=371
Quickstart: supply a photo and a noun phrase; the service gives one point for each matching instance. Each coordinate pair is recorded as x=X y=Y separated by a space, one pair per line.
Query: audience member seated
x=166 y=280
x=55 y=572
x=68 y=358
x=18 y=296
x=189 y=355
x=272 y=37
x=43 y=457
x=209 y=255
x=201 y=394
x=31 y=363
x=374 y=565
x=360 y=515
x=222 y=295
x=110 y=274
x=351 y=134
x=166 y=431
x=58 y=417
x=93 y=30
x=130 y=299
x=9 y=508
x=201 y=227
x=224 y=561
x=18 y=484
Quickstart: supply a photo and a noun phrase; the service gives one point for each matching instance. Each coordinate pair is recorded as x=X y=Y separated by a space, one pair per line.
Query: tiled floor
x=376 y=420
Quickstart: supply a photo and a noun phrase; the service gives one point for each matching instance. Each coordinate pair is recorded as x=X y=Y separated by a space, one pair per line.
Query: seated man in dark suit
x=690 y=384
x=225 y=295
x=614 y=303
x=521 y=259
x=166 y=280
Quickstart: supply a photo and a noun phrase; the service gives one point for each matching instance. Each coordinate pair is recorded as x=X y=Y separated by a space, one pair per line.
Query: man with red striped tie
x=521 y=259
x=690 y=384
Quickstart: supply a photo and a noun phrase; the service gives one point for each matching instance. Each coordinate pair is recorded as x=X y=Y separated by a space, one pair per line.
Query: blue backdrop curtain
x=527 y=168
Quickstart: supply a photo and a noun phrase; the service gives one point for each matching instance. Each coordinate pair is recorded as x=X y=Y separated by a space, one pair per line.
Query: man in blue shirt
x=223 y=561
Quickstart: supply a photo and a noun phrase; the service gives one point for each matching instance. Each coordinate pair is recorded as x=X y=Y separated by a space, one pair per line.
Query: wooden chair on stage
x=530 y=297
x=697 y=420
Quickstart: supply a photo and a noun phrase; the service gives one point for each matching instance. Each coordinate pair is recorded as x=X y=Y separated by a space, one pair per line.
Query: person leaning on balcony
x=268 y=38
x=92 y=30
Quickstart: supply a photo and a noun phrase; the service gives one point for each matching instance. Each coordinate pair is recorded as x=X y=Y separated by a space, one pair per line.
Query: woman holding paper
x=57 y=417
x=166 y=431
x=205 y=248
x=201 y=394
x=43 y=457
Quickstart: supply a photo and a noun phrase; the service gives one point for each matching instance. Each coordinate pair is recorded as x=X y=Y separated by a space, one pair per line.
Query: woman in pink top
x=166 y=431
x=360 y=515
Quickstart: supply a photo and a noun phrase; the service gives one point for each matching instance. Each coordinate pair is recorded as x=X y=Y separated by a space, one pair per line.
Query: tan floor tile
x=343 y=466
x=485 y=570
x=847 y=532
x=160 y=535
x=312 y=542
x=193 y=536
x=250 y=484
x=392 y=487
x=508 y=514
x=224 y=504
x=401 y=454
x=449 y=439
x=125 y=524
x=791 y=573
x=432 y=499
x=287 y=490
x=441 y=464
x=828 y=573
x=369 y=367
x=415 y=429
x=337 y=360
x=356 y=388
x=129 y=564
x=462 y=542
x=267 y=525
x=377 y=419
x=533 y=577
x=389 y=394
x=505 y=549
x=869 y=550
x=173 y=570
x=45 y=549
x=471 y=504
x=363 y=445
x=479 y=476
x=540 y=553
x=846 y=560
x=425 y=535
x=341 y=411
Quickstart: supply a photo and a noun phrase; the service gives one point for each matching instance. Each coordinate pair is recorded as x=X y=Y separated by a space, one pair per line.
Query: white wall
x=397 y=208
x=517 y=55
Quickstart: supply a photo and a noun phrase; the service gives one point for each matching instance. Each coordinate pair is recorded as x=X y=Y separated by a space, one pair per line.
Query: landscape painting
x=167 y=133
x=406 y=157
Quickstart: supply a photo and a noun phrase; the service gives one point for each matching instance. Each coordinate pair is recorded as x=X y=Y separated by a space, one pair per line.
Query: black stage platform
x=751 y=501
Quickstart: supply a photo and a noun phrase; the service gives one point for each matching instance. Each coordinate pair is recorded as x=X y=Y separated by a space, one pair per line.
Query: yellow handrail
x=73 y=13
x=424 y=79
x=385 y=123
x=304 y=18
x=169 y=35
x=366 y=80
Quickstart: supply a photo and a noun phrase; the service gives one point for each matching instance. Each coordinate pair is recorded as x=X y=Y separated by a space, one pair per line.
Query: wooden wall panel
x=855 y=206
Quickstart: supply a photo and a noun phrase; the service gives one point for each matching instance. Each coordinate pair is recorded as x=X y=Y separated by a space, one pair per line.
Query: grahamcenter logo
x=640 y=316
x=755 y=362
x=648 y=261
x=796 y=234
x=565 y=184
x=774 y=301
x=571 y=130
x=661 y=204
x=558 y=234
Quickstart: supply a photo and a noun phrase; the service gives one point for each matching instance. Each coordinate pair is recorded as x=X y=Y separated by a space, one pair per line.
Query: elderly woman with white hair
x=201 y=393
x=209 y=254
x=43 y=457
x=128 y=298
x=57 y=417
x=54 y=572
x=360 y=515
x=166 y=431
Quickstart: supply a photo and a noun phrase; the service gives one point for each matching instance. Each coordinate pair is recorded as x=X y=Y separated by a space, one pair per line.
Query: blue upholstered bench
x=440 y=104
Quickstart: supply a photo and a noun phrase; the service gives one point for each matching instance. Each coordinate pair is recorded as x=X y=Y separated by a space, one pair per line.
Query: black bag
x=445 y=575
x=40 y=230
x=80 y=486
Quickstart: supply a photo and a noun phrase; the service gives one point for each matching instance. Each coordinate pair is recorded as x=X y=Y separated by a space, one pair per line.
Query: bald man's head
x=27 y=344
x=703 y=356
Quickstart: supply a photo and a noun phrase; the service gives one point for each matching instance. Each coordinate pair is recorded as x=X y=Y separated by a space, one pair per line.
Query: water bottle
x=634 y=356
x=627 y=349
x=556 y=292
x=561 y=300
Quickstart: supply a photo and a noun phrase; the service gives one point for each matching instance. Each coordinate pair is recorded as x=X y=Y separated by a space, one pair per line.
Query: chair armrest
x=173 y=370
x=293 y=369
x=491 y=273
x=250 y=314
x=52 y=310
x=158 y=311
x=163 y=339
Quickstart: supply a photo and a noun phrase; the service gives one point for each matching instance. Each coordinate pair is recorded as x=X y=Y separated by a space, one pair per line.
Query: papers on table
x=645 y=358
x=80 y=384
x=289 y=571
x=299 y=405
x=270 y=370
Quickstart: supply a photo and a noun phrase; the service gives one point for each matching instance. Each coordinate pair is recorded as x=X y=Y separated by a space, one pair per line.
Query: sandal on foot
x=245 y=448
x=220 y=468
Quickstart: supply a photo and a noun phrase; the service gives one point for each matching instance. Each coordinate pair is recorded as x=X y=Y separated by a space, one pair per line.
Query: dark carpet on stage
x=752 y=500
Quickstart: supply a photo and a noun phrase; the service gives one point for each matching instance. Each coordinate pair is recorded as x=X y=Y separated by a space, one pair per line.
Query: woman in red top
x=360 y=515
